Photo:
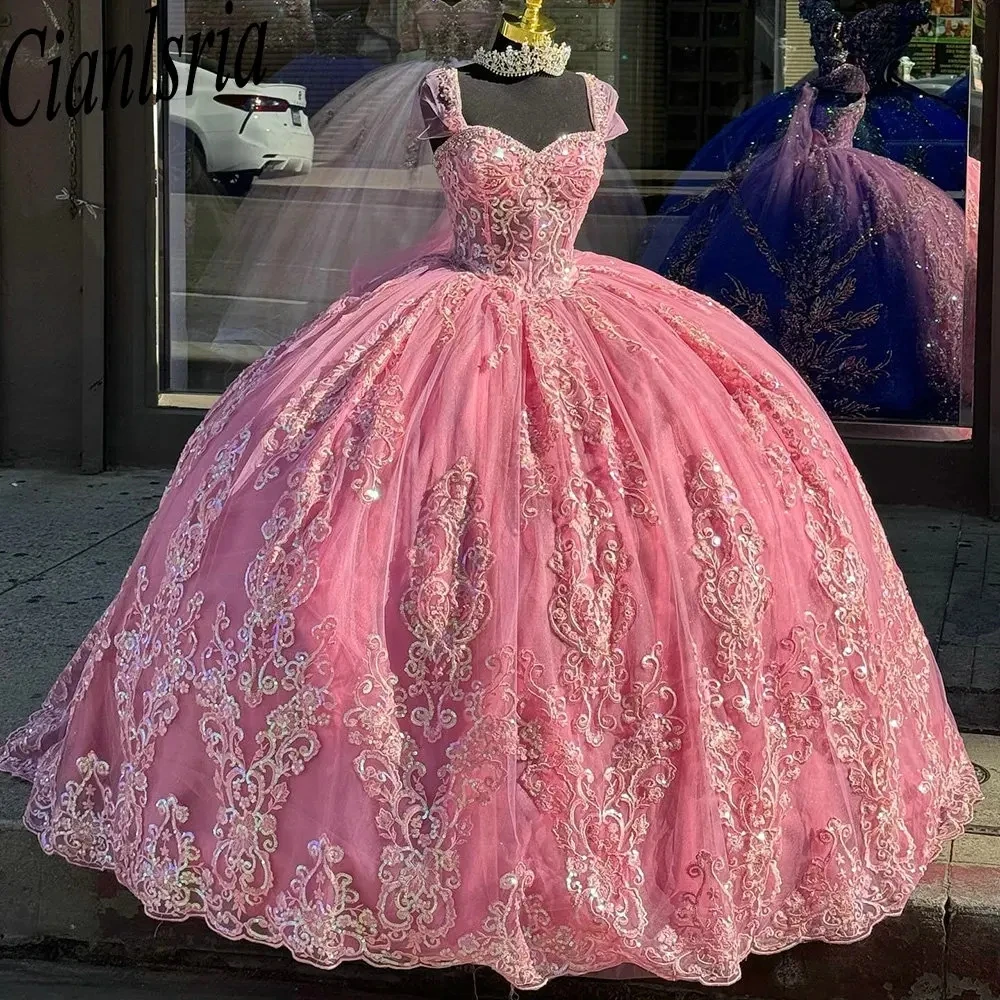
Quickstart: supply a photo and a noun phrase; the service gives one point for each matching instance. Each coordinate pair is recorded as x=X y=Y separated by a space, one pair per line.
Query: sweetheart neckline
x=524 y=146
x=455 y=80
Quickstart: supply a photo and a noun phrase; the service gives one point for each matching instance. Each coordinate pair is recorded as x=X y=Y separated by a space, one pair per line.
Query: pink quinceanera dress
x=524 y=610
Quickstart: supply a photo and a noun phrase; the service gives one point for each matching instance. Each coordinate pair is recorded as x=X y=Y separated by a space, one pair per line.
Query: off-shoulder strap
x=441 y=104
x=604 y=108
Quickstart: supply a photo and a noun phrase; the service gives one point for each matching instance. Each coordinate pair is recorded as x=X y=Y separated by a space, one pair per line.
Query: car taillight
x=252 y=102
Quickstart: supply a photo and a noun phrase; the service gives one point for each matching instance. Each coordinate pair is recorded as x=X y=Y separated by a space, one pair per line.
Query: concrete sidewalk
x=67 y=540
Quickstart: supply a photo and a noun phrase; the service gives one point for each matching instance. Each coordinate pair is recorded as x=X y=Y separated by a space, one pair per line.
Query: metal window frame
x=986 y=414
x=139 y=431
x=92 y=178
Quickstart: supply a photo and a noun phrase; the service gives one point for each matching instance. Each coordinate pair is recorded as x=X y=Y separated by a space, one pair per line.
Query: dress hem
x=950 y=830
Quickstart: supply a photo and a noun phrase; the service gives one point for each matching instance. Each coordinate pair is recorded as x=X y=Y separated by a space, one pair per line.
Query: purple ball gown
x=899 y=121
x=850 y=264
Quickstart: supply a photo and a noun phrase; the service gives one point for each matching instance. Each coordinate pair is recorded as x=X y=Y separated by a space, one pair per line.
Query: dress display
x=381 y=192
x=900 y=121
x=524 y=611
x=850 y=264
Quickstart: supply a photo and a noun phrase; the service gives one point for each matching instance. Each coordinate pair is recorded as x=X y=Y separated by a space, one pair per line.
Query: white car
x=936 y=86
x=237 y=134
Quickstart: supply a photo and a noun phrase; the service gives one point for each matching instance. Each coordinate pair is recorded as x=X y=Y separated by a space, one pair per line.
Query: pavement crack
x=41 y=574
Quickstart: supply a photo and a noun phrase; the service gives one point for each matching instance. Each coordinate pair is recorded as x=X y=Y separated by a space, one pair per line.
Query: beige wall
x=799 y=58
x=40 y=268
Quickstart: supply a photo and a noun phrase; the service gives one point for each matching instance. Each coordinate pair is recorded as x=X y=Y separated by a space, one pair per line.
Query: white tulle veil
x=371 y=201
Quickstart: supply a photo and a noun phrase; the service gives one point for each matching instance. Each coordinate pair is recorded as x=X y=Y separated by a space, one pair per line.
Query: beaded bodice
x=838 y=116
x=451 y=31
x=874 y=39
x=516 y=211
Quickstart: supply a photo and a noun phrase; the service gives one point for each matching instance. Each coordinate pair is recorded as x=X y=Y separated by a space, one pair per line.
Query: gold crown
x=531 y=28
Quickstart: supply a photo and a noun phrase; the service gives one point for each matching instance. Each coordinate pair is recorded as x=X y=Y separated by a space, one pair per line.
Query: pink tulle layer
x=549 y=633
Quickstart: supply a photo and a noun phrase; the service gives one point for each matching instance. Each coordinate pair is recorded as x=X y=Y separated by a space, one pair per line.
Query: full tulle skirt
x=552 y=633
x=373 y=192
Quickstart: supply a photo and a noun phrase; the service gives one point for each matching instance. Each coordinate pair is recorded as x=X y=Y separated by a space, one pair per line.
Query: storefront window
x=811 y=166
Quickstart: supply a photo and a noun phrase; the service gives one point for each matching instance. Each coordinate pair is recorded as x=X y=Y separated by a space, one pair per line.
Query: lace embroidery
x=420 y=869
x=601 y=819
x=592 y=607
x=536 y=481
x=803 y=285
x=361 y=392
x=735 y=590
x=447 y=601
x=378 y=427
x=319 y=916
x=647 y=679
x=516 y=212
x=603 y=101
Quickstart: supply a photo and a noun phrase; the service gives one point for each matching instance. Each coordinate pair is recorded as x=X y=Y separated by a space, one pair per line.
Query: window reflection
x=808 y=165
x=830 y=215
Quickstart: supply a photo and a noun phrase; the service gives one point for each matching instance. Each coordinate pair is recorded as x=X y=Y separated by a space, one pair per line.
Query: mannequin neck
x=536 y=110
x=501 y=43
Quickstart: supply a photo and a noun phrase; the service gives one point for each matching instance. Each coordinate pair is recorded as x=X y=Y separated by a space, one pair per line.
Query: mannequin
x=513 y=104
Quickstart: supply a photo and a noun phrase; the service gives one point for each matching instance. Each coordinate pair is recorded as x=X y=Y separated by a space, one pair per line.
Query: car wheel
x=186 y=160
x=237 y=184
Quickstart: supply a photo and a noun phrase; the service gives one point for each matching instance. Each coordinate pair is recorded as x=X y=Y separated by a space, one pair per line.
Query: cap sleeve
x=439 y=105
x=604 y=109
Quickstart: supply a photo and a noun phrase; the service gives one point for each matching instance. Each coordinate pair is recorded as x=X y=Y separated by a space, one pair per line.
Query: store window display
x=382 y=193
x=833 y=222
x=851 y=264
x=243 y=274
x=900 y=120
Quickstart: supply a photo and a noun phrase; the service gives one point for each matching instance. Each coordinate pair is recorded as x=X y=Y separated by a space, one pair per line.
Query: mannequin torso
x=535 y=110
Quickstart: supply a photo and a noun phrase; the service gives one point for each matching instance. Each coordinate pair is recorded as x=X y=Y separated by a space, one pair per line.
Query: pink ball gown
x=523 y=611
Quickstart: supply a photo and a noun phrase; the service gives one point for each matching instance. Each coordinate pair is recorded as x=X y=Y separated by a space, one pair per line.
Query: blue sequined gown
x=848 y=263
x=957 y=96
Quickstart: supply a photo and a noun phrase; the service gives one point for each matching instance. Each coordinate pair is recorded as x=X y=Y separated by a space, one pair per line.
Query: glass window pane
x=820 y=183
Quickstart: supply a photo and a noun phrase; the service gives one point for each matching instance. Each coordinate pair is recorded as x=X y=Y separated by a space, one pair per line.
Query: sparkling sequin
x=445 y=31
x=801 y=241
